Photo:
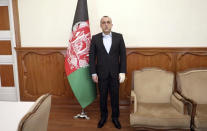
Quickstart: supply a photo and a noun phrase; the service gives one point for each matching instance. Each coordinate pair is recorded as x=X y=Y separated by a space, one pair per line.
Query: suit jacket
x=103 y=63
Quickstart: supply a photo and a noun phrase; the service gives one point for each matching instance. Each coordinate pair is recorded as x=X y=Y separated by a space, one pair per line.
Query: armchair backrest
x=37 y=117
x=193 y=85
x=152 y=85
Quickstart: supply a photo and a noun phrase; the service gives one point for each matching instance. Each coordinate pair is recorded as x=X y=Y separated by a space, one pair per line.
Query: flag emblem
x=79 y=45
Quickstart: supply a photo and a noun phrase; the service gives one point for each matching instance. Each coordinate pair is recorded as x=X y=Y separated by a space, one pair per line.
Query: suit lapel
x=102 y=44
x=112 y=43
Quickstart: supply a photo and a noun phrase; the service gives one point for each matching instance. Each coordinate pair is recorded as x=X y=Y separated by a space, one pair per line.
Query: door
x=9 y=87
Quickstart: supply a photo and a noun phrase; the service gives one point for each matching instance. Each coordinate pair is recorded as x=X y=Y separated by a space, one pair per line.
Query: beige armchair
x=193 y=85
x=37 y=117
x=154 y=103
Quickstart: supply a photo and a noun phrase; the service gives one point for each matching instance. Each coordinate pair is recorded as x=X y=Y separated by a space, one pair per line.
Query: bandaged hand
x=121 y=77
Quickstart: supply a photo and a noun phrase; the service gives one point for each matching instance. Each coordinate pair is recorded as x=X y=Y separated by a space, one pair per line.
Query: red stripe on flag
x=77 y=54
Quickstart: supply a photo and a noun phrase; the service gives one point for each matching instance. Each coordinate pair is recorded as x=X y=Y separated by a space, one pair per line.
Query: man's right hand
x=95 y=78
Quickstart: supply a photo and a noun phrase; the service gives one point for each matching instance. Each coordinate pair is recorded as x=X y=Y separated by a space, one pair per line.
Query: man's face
x=106 y=25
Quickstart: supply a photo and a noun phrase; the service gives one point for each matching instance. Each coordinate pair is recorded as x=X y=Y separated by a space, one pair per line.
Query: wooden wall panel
x=7 y=75
x=189 y=60
x=41 y=70
x=4 y=18
x=5 y=48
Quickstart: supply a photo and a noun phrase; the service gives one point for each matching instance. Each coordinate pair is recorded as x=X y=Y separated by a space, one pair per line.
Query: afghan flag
x=77 y=57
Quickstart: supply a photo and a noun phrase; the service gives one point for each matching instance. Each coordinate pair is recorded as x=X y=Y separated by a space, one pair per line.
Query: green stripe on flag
x=83 y=87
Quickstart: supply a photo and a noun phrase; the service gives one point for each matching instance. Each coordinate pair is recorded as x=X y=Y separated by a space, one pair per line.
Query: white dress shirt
x=107 y=41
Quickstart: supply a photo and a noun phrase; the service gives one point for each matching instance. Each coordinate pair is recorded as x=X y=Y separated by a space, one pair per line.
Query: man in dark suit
x=107 y=59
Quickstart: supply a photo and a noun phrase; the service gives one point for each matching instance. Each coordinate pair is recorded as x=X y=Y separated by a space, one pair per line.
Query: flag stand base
x=82 y=115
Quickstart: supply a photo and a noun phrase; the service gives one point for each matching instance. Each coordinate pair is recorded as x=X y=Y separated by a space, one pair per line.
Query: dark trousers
x=110 y=85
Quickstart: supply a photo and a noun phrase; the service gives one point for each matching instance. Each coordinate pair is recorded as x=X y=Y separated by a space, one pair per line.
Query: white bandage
x=121 y=77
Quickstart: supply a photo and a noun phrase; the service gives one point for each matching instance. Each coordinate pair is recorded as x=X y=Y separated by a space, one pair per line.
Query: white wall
x=144 y=23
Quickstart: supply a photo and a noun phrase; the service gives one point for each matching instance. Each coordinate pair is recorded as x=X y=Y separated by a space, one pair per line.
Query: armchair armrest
x=178 y=96
x=191 y=111
x=181 y=104
x=177 y=103
x=133 y=102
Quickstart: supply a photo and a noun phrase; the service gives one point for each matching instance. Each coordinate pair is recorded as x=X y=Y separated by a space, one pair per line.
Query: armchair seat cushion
x=201 y=116
x=200 y=122
x=159 y=115
x=201 y=110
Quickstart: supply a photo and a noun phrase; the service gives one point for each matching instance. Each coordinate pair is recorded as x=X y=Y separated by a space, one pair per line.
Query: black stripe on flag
x=81 y=13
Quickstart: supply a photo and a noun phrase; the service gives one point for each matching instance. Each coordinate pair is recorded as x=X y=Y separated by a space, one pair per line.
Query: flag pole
x=82 y=115
x=77 y=59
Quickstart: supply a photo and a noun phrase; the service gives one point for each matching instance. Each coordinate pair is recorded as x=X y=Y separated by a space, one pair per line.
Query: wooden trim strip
x=16 y=22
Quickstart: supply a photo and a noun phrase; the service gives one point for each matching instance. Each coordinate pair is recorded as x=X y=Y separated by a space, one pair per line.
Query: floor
x=63 y=111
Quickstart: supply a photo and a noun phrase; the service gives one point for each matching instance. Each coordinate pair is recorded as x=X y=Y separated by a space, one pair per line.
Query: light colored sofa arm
x=133 y=101
x=177 y=102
